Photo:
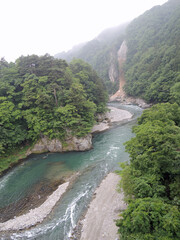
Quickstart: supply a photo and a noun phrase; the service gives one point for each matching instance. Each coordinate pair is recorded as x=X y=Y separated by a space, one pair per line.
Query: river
x=92 y=166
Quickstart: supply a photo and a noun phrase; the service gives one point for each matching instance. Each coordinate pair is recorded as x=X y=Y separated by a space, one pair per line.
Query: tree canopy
x=152 y=68
x=44 y=96
x=101 y=54
x=151 y=179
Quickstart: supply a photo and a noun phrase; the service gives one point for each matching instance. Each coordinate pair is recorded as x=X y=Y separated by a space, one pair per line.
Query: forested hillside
x=151 y=179
x=153 y=58
x=44 y=96
x=101 y=53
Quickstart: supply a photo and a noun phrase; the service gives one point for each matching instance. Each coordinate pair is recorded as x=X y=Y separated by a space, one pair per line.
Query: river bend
x=92 y=166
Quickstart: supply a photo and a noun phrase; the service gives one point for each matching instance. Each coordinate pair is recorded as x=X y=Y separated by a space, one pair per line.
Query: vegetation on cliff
x=101 y=54
x=151 y=179
x=153 y=59
x=44 y=96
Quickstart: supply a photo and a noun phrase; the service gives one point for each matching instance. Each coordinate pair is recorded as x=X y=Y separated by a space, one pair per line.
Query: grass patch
x=13 y=158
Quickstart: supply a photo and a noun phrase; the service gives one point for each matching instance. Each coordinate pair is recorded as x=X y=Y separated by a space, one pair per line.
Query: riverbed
x=93 y=166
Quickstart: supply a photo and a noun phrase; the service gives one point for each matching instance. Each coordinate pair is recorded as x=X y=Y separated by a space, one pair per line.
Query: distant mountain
x=153 y=58
x=101 y=53
x=69 y=55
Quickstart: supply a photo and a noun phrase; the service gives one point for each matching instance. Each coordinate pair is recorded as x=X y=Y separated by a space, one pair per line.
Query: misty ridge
x=153 y=47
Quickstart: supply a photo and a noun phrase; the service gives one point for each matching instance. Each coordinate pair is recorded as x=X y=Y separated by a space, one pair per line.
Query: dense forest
x=101 y=54
x=153 y=59
x=151 y=179
x=44 y=96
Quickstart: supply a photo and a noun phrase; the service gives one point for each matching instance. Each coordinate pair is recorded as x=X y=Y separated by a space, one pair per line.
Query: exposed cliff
x=113 y=67
x=120 y=95
x=121 y=55
x=101 y=53
x=71 y=143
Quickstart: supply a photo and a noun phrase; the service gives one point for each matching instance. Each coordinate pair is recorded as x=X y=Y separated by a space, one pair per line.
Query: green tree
x=152 y=65
x=175 y=92
x=151 y=179
x=12 y=128
x=43 y=96
x=147 y=219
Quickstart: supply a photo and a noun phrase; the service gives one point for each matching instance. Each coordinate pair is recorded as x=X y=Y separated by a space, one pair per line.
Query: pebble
x=36 y=215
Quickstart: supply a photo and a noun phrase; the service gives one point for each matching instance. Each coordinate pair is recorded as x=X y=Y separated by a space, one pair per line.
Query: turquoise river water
x=108 y=150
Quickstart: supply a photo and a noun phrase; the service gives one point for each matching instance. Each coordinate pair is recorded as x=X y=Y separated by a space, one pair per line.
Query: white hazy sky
x=52 y=26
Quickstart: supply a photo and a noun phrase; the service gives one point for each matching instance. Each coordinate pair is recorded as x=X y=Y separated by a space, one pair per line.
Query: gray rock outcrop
x=72 y=143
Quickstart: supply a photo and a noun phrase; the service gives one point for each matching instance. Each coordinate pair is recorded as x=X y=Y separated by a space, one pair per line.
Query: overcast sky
x=52 y=26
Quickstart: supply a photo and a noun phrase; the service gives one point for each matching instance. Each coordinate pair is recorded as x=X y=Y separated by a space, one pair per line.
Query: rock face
x=72 y=143
x=78 y=144
x=121 y=60
x=120 y=95
x=113 y=68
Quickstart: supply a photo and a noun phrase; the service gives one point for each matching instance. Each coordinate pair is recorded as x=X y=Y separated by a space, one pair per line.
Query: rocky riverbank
x=102 y=212
x=112 y=116
x=120 y=95
x=36 y=215
x=129 y=100
x=73 y=143
x=35 y=198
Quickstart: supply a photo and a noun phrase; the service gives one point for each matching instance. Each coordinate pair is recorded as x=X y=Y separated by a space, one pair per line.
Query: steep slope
x=153 y=58
x=120 y=94
x=152 y=68
x=101 y=53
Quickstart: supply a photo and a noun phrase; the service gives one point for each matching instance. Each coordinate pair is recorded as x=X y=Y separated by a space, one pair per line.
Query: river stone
x=35 y=215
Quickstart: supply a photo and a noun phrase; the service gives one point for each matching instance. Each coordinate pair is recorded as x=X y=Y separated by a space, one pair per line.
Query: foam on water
x=93 y=166
x=5 y=179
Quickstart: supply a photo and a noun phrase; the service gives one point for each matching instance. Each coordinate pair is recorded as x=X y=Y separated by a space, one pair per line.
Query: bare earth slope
x=120 y=95
x=121 y=60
